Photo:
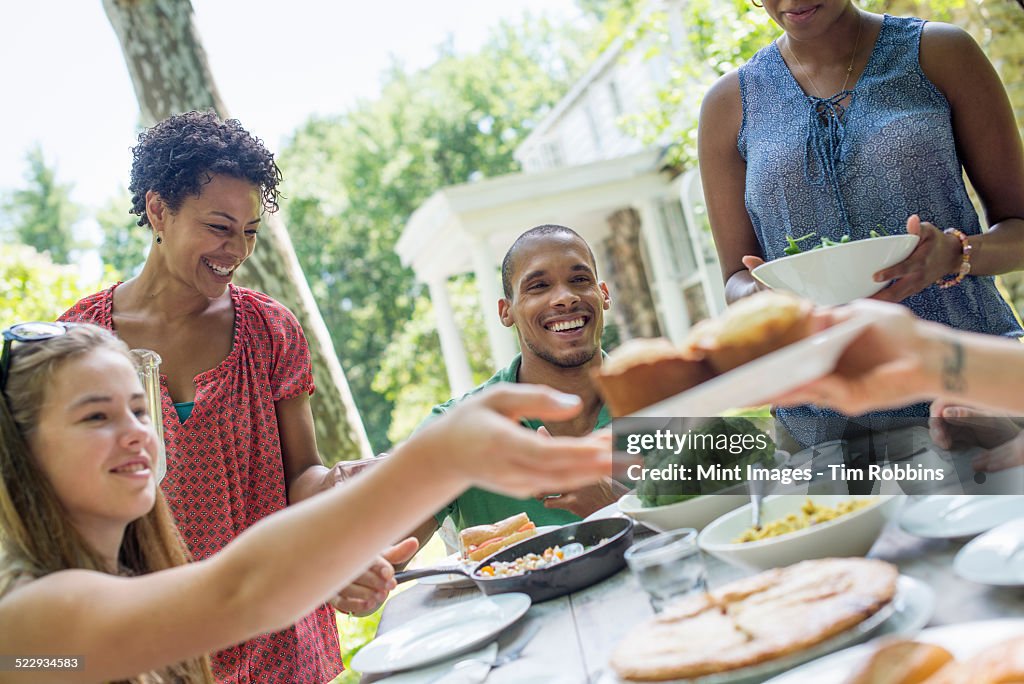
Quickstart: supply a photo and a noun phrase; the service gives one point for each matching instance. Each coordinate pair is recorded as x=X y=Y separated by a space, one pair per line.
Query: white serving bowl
x=695 y=513
x=839 y=274
x=852 y=534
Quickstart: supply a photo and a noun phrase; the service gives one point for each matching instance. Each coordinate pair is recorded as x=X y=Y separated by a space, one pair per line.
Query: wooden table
x=579 y=631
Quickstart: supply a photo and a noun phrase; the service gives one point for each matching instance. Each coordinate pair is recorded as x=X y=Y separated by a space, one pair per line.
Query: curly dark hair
x=175 y=157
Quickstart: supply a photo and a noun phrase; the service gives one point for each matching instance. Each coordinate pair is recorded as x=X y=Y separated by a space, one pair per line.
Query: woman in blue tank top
x=851 y=120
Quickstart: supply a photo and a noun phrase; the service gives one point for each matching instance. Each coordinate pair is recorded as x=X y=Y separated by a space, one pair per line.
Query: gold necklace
x=849 y=69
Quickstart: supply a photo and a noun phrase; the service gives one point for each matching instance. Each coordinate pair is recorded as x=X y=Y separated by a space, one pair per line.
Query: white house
x=645 y=222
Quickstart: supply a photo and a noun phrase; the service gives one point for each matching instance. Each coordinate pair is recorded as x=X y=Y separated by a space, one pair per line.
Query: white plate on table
x=909 y=611
x=995 y=558
x=966 y=515
x=456 y=581
x=962 y=640
x=432 y=673
x=441 y=634
x=754 y=383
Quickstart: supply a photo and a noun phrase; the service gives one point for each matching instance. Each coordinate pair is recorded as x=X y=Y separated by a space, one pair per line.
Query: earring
x=755 y=3
x=159 y=239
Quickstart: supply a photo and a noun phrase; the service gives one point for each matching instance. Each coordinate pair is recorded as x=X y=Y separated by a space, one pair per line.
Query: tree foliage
x=34 y=288
x=124 y=244
x=354 y=180
x=412 y=374
x=41 y=213
x=721 y=36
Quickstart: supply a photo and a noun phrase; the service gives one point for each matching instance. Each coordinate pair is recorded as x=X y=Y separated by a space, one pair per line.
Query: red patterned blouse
x=224 y=469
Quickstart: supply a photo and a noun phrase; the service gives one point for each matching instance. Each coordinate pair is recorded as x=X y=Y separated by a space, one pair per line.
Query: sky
x=276 y=62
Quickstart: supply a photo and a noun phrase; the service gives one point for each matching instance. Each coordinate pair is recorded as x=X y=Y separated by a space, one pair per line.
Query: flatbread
x=756 y=619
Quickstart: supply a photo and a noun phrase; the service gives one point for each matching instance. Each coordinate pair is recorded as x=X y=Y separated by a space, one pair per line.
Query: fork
x=474 y=670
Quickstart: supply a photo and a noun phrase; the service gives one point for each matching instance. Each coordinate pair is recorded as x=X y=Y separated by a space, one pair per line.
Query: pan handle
x=406 y=575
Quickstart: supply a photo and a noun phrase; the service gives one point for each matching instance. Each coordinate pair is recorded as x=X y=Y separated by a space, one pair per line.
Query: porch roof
x=437 y=238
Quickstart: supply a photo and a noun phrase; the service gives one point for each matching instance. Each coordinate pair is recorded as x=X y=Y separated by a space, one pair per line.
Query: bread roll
x=750 y=328
x=901 y=661
x=1002 y=663
x=642 y=372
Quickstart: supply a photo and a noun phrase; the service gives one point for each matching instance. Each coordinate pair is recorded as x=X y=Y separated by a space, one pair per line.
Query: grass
x=356 y=632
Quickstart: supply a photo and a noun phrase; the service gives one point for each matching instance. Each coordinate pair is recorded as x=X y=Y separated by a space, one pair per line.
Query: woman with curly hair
x=236 y=370
x=93 y=573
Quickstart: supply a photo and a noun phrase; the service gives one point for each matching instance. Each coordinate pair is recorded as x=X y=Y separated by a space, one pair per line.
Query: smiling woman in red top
x=237 y=375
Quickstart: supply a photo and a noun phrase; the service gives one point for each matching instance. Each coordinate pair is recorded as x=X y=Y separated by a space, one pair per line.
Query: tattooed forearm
x=953 y=368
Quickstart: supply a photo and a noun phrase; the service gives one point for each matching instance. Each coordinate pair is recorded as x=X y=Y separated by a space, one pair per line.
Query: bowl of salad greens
x=830 y=272
x=691 y=499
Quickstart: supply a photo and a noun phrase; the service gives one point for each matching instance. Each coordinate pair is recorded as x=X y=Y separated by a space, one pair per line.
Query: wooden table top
x=579 y=631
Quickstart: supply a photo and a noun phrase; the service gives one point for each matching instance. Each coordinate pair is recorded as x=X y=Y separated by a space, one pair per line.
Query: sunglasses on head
x=35 y=331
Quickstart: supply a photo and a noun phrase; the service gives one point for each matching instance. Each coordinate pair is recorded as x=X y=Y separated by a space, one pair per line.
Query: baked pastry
x=644 y=371
x=481 y=541
x=1002 y=663
x=750 y=328
x=756 y=619
x=901 y=661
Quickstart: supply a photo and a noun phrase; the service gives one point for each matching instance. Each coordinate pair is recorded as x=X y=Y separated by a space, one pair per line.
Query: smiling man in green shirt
x=554 y=300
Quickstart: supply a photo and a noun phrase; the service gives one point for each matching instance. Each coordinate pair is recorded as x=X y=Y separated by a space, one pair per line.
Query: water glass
x=346 y=470
x=668 y=565
x=147 y=364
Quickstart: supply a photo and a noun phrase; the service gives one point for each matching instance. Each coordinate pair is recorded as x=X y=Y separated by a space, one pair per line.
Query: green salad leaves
x=794 y=246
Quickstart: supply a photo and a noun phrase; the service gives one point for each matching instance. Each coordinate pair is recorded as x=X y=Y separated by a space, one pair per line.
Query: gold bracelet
x=947 y=282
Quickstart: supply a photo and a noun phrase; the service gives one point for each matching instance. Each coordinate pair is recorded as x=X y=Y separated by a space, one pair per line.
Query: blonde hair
x=36 y=536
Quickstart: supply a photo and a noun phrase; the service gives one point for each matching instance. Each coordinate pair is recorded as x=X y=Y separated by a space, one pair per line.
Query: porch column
x=456 y=363
x=674 y=314
x=502 y=342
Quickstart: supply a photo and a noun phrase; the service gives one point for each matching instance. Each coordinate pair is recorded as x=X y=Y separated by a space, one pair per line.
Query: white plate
x=963 y=641
x=952 y=517
x=910 y=610
x=440 y=634
x=996 y=557
x=432 y=673
x=754 y=383
x=461 y=581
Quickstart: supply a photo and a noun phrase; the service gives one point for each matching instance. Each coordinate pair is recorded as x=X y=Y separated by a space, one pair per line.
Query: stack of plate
x=997 y=556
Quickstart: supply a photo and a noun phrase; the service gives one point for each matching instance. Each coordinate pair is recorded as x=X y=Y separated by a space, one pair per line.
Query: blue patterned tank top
x=891 y=154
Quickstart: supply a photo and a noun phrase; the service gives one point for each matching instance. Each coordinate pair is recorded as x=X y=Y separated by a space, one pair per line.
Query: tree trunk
x=170 y=73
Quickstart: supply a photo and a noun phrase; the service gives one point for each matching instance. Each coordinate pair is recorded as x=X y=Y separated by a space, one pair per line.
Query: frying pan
x=590 y=567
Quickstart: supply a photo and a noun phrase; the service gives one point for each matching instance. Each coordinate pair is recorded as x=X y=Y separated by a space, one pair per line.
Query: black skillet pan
x=590 y=567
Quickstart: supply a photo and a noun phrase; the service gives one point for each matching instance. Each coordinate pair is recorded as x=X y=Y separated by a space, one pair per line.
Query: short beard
x=573 y=360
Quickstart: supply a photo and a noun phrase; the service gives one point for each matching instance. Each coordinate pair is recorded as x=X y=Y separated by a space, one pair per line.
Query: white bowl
x=695 y=513
x=852 y=534
x=839 y=274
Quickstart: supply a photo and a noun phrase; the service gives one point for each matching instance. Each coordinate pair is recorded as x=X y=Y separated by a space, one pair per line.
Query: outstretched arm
x=899 y=359
x=290 y=562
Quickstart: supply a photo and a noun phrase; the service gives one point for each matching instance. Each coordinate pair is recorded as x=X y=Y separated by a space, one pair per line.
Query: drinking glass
x=668 y=565
x=147 y=362
x=346 y=470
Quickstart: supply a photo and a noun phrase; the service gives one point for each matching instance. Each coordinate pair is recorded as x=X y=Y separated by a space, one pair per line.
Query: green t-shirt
x=481 y=507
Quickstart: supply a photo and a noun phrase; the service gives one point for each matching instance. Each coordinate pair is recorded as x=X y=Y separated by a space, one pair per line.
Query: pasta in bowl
x=850 y=533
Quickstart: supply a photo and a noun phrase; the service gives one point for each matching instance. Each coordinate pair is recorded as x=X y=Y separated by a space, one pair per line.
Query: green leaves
x=34 y=288
x=352 y=181
x=41 y=213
